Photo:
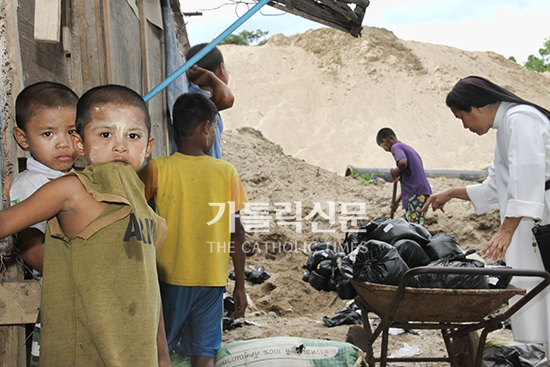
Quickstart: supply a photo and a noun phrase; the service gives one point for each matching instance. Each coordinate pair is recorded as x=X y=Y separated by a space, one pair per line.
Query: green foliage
x=512 y=58
x=540 y=64
x=246 y=38
x=366 y=178
x=234 y=39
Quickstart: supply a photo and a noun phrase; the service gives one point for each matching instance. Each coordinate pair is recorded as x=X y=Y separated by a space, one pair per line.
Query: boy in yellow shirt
x=100 y=297
x=200 y=197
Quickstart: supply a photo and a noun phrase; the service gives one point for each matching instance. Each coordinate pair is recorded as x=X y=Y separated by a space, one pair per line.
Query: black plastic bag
x=397 y=229
x=317 y=246
x=499 y=281
x=365 y=231
x=258 y=276
x=316 y=257
x=347 y=265
x=421 y=230
x=317 y=281
x=345 y=316
x=351 y=242
x=453 y=281
x=331 y=284
x=229 y=321
x=345 y=290
x=378 y=262
x=325 y=268
x=441 y=246
x=412 y=253
x=513 y=355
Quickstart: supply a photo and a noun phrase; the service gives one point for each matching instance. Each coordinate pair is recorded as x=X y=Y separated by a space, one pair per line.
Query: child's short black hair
x=384 y=133
x=108 y=94
x=39 y=96
x=190 y=110
x=210 y=61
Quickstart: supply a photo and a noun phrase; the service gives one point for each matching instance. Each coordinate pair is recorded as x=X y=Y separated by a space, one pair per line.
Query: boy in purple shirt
x=415 y=188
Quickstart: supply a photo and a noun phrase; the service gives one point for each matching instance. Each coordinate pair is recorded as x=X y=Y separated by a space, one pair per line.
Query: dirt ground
x=285 y=305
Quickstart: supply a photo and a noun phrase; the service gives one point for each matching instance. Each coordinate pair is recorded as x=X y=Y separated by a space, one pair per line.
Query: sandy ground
x=285 y=305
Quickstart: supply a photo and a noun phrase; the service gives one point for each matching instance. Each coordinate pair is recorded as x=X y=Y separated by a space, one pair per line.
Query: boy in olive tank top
x=100 y=297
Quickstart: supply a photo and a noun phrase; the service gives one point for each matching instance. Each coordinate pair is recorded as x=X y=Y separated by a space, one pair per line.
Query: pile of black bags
x=385 y=249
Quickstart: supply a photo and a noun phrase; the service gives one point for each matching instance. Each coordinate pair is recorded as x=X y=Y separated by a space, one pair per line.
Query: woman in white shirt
x=517 y=184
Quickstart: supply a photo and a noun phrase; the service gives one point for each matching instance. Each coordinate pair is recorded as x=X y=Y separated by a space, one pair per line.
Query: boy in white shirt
x=45 y=117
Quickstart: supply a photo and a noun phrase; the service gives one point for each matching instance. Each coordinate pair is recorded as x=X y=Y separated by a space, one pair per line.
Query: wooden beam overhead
x=337 y=14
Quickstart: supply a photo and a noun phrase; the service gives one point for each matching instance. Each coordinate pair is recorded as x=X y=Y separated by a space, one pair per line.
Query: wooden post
x=13 y=351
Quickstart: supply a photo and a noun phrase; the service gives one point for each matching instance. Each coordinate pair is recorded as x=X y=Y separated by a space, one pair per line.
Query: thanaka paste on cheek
x=94 y=155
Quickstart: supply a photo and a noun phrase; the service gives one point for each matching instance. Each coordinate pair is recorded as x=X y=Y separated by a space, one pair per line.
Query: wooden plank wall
x=155 y=60
x=12 y=337
x=41 y=60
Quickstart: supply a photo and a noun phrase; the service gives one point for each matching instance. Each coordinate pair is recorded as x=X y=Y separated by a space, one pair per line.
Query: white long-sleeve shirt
x=516 y=184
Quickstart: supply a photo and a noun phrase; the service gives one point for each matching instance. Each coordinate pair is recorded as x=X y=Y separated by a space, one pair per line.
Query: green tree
x=540 y=64
x=246 y=38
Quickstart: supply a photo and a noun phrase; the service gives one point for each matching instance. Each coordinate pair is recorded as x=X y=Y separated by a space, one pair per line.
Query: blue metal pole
x=182 y=69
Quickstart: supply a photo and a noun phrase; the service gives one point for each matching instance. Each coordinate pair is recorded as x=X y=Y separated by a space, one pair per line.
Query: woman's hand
x=496 y=248
x=438 y=201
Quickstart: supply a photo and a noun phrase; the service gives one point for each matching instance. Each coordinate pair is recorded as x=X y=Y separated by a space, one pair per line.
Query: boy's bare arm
x=238 y=257
x=222 y=96
x=162 y=344
x=32 y=247
x=402 y=165
x=149 y=176
x=44 y=204
x=64 y=197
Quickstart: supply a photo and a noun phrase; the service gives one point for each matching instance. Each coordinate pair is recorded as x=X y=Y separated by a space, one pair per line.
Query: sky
x=509 y=27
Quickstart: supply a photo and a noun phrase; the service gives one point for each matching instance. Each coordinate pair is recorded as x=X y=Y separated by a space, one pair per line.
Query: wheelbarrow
x=458 y=313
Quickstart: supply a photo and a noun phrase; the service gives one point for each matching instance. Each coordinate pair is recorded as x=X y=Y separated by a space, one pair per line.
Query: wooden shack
x=81 y=44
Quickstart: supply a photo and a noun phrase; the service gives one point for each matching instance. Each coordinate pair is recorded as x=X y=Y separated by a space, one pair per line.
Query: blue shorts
x=197 y=309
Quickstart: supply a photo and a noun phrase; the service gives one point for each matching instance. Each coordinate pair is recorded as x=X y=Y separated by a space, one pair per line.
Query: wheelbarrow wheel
x=466 y=349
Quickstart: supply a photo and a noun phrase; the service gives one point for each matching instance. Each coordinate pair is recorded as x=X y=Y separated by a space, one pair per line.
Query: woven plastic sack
x=288 y=352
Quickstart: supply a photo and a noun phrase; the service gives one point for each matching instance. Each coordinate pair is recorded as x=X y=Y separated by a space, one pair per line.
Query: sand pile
x=323 y=95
